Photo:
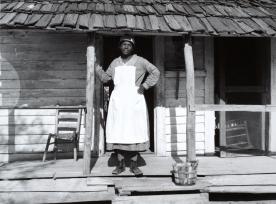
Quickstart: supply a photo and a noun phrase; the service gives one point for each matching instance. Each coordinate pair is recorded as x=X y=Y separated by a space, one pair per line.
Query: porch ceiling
x=207 y=17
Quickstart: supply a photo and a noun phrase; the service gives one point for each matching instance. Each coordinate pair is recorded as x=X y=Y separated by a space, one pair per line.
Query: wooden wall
x=172 y=137
x=37 y=69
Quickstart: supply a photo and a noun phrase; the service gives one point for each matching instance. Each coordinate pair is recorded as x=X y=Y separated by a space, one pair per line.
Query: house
x=48 y=51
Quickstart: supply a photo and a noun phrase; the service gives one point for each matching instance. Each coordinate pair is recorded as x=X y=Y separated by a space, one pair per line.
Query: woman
x=127 y=129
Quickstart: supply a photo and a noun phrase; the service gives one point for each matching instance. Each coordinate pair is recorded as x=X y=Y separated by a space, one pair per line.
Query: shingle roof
x=211 y=17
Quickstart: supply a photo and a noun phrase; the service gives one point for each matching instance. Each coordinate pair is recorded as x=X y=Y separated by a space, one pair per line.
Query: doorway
x=241 y=73
x=143 y=48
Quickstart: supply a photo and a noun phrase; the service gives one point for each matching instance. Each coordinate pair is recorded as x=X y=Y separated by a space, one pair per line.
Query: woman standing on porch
x=127 y=128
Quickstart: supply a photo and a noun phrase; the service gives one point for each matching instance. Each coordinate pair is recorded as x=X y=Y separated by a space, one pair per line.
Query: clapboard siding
x=38 y=69
x=175 y=130
x=175 y=88
x=25 y=131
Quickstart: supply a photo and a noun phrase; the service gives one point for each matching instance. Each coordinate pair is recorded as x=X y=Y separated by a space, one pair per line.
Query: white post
x=89 y=103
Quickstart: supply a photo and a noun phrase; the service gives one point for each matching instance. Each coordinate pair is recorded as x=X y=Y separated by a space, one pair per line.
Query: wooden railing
x=246 y=108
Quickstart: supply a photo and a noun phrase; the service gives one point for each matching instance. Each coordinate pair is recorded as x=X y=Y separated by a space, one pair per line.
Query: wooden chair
x=67 y=132
x=237 y=134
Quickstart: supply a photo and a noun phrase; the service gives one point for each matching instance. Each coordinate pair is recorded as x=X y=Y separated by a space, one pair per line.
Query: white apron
x=127 y=119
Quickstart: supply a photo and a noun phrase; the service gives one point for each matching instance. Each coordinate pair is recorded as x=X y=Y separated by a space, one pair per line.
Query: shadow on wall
x=37 y=69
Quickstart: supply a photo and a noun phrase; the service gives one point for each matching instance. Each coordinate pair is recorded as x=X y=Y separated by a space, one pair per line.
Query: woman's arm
x=153 y=76
x=104 y=76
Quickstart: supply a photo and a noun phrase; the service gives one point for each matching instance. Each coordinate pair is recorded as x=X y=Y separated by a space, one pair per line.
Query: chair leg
x=46 y=148
x=75 y=154
x=55 y=149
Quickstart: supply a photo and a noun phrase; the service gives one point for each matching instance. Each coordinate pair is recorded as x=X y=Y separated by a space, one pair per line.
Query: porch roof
x=205 y=17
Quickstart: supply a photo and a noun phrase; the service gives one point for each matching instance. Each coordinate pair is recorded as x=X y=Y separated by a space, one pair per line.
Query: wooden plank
x=32 y=148
x=182 y=146
x=28 y=139
x=179 y=111
x=198 y=73
x=181 y=128
x=70 y=20
x=175 y=120
x=222 y=95
x=89 y=103
x=54 y=197
x=164 y=199
x=50 y=185
x=57 y=20
x=210 y=126
x=44 y=21
x=131 y=21
x=243 y=189
x=172 y=102
x=30 y=112
x=183 y=21
x=154 y=22
x=20 y=18
x=272 y=117
x=247 y=108
x=40 y=75
x=7 y=18
x=36 y=93
x=99 y=140
x=181 y=137
x=159 y=52
x=9 y=103
x=109 y=21
x=120 y=21
x=33 y=65
x=244 y=180
x=171 y=83
x=160 y=137
x=209 y=95
x=28 y=129
x=172 y=23
x=190 y=89
x=182 y=93
x=140 y=23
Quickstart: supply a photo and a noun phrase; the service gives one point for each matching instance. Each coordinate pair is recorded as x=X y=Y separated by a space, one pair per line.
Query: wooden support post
x=159 y=91
x=89 y=103
x=222 y=101
x=272 y=118
x=190 y=89
x=98 y=140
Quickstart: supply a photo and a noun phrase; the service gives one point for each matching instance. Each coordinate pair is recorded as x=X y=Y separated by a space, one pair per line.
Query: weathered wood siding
x=175 y=103
x=37 y=69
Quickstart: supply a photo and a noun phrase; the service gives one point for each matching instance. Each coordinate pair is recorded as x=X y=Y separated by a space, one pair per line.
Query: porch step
x=164 y=199
x=126 y=186
x=52 y=191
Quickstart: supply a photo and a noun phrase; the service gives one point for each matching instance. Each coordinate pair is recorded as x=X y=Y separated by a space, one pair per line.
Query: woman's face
x=126 y=48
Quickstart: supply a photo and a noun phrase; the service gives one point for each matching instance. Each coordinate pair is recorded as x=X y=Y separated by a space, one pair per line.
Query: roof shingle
x=209 y=17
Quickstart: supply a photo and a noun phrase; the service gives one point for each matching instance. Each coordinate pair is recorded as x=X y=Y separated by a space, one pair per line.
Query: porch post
x=272 y=132
x=90 y=55
x=190 y=90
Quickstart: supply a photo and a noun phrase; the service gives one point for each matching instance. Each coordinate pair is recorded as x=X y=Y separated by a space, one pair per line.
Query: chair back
x=68 y=121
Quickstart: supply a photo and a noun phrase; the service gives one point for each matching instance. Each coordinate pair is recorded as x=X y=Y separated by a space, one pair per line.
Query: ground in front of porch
x=220 y=180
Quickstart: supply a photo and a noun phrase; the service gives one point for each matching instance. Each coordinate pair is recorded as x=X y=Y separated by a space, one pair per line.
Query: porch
x=63 y=181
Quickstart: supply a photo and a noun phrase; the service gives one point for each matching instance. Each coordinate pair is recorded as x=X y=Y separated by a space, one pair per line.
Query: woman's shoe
x=134 y=168
x=121 y=167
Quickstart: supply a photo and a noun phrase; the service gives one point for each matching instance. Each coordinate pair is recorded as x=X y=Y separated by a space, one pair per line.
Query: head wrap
x=127 y=39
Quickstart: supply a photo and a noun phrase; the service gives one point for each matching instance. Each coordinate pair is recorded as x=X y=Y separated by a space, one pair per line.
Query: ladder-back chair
x=67 y=132
x=237 y=134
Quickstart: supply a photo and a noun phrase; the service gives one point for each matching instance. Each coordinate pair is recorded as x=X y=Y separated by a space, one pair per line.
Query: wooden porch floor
x=62 y=181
